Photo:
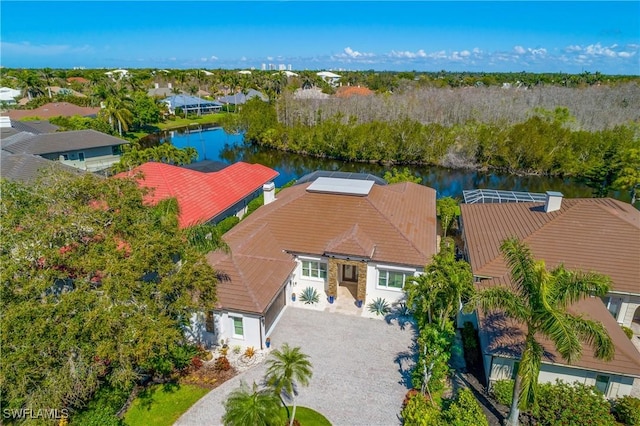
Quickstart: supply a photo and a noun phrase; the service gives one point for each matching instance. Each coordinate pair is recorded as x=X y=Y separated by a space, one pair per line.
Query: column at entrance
x=362 y=281
x=333 y=278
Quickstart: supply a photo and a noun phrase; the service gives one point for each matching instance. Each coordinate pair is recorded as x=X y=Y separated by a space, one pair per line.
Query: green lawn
x=183 y=122
x=308 y=417
x=162 y=404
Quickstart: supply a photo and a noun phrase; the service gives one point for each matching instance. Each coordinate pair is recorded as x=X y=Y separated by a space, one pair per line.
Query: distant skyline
x=569 y=37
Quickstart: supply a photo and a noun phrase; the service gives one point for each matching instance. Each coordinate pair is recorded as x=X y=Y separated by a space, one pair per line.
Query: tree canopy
x=96 y=286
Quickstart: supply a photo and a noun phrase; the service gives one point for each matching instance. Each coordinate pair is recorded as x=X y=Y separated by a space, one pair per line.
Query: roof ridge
x=388 y=219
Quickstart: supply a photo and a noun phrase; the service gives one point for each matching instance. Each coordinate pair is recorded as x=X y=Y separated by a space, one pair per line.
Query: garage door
x=274 y=310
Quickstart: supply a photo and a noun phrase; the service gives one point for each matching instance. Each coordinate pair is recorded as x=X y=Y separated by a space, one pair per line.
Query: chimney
x=269 y=190
x=169 y=86
x=553 y=201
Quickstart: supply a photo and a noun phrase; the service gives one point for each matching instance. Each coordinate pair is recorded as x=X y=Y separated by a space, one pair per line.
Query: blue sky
x=423 y=36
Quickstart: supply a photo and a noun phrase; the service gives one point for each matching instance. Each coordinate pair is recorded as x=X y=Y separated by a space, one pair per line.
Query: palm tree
x=287 y=368
x=437 y=293
x=116 y=110
x=539 y=299
x=252 y=408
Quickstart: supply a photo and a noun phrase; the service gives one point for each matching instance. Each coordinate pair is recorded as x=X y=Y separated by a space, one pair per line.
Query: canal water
x=217 y=145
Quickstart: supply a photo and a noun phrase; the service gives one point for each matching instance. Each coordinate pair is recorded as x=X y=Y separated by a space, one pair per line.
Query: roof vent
x=5 y=122
x=553 y=201
x=269 y=190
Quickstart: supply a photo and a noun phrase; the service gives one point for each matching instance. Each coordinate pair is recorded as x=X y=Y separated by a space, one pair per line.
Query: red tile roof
x=349 y=91
x=201 y=196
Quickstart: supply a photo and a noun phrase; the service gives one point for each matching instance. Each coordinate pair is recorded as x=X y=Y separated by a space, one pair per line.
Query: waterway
x=216 y=145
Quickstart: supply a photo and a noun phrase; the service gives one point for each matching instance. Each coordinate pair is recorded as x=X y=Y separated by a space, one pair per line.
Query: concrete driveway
x=361 y=369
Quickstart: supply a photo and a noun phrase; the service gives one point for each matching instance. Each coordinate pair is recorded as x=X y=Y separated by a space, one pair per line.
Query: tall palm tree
x=539 y=299
x=286 y=369
x=255 y=407
x=117 y=110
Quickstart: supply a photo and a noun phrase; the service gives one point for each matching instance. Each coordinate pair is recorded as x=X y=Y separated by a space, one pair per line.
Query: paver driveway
x=360 y=369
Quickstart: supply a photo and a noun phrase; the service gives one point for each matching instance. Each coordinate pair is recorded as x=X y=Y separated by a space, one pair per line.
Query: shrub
x=309 y=296
x=578 y=404
x=379 y=306
x=250 y=352
x=464 y=410
x=253 y=205
x=502 y=391
x=237 y=349
x=627 y=331
x=102 y=409
x=222 y=364
x=627 y=410
x=419 y=412
x=225 y=350
x=226 y=224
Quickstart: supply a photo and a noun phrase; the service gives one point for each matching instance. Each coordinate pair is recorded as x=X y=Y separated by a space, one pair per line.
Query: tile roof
x=53 y=109
x=36 y=127
x=589 y=234
x=28 y=167
x=506 y=338
x=51 y=143
x=349 y=91
x=201 y=196
x=394 y=224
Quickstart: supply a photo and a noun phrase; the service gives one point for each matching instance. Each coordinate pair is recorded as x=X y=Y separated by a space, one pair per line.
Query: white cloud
x=214 y=58
x=203 y=59
x=408 y=54
x=626 y=54
x=355 y=54
x=519 y=50
x=573 y=48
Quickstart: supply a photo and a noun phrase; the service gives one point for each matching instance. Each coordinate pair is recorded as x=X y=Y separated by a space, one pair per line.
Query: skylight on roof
x=341 y=186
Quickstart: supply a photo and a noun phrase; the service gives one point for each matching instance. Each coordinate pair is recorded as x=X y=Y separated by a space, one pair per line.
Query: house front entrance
x=347 y=280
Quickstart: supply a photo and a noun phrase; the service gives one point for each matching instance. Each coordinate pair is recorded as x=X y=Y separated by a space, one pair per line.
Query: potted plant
x=332 y=299
x=359 y=303
x=267 y=342
x=293 y=297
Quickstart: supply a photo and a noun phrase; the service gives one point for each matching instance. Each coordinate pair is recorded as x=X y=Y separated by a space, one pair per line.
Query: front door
x=350 y=273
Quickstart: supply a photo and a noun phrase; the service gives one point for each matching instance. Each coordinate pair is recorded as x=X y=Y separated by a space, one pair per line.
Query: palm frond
x=572 y=286
x=521 y=264
x=595 y=334
x=558 y=327
x=500 y=298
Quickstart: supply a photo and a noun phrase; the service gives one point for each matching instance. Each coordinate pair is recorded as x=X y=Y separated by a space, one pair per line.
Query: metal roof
x=483 y=196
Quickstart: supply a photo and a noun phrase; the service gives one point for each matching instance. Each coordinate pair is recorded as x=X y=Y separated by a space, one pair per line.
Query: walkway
x=360 y=369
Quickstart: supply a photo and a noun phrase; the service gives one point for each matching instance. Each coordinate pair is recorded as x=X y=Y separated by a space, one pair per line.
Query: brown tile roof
x=349 y=91
x=506 y=338
x=53 y=109
x=589 y=234
x=80 y=80
x=394 y=224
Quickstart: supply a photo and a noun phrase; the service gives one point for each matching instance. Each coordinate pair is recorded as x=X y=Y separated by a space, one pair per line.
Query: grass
x=161 y=405
x=308 y=417
x=183 y=122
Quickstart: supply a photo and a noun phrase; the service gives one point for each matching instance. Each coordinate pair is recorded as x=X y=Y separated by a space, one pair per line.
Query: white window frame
x=318 y=268
x=386 y=270
x=234 y=318
x=606 y=388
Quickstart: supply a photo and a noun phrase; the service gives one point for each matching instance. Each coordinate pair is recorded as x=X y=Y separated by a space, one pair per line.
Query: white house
x=9 y=95
x=351 y=240
x=592 y=235
x=329 y=77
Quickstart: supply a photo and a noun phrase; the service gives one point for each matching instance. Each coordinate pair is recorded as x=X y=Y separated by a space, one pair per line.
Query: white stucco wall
x=502 y=368
x=252 y=329
x=630 y=304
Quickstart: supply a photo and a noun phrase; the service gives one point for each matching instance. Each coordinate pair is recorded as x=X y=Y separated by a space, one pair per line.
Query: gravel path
x=360 y=369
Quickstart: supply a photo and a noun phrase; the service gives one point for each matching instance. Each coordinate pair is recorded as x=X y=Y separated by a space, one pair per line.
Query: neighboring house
x=78 y=80
x=310 y=93
x=592 y=235
x=9 y=128
x=53 y=109
x=329 y=77
x=191 y=104
x=161 y=92
x=351 y=240
x=350 y=91
x=83 y=149
x=241 y=98
x=27 y=168
x=203 y=197
x=56 y=90
x=8 y=95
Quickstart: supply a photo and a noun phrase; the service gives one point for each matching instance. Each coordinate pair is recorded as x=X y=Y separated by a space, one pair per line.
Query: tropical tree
x=246 y=407
x=117 y=109
x=436 y=295
x=96 y=287
x=395 y=176
x=286 y=369
x=447 y=211
x=539 y=299
x=30 y=83
x=629 y=173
